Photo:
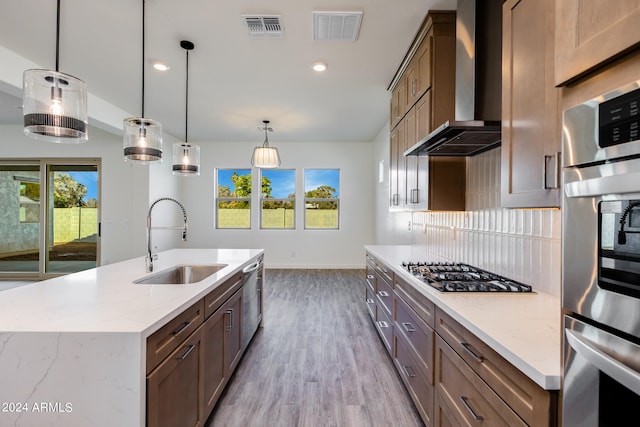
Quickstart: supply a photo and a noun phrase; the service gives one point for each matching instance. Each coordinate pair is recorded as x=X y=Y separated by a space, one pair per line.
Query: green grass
x=278 y=218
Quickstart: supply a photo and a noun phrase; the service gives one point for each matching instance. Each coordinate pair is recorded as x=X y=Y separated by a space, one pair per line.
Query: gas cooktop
x=457 y=277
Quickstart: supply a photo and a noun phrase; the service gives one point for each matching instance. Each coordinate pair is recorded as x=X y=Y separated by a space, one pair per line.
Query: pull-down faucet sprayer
x=150 y=255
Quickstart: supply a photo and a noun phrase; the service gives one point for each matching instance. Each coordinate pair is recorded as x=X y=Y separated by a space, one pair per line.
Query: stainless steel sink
x=181 y=275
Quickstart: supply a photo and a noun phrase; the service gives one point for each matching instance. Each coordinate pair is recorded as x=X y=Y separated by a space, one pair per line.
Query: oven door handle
x=617 y=370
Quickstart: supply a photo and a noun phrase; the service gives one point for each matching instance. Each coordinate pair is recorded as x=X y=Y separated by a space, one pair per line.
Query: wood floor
x=317 y=360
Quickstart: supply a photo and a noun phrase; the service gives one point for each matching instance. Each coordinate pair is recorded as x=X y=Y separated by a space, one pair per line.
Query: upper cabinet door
x=531 y=143
x=590 y=33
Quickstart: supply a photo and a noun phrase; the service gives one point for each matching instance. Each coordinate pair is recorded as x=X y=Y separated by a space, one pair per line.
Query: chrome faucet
x=151 y=256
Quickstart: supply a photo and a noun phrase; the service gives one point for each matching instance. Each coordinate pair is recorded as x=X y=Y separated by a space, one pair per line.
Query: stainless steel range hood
x=478 y=94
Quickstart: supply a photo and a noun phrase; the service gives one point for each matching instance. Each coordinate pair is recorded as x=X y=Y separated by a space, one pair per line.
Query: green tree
x=242 y=184
x=322 y=192
x=30 y=190
x=67 y=192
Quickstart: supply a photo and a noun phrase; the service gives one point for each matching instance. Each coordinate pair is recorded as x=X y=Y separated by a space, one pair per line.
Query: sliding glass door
x=50 y=217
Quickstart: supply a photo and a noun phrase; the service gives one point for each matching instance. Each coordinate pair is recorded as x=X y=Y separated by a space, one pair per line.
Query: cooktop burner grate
x=458 y=277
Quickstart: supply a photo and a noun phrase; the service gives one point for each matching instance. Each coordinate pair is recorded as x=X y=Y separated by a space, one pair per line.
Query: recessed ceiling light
x=319 y=66
x=160 y=66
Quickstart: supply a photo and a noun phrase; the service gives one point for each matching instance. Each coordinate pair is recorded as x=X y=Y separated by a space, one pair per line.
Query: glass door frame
x=45 y=215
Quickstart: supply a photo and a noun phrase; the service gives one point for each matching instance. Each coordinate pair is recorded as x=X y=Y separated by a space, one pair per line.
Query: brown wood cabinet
x=537 y=407
x=531 y=135
x=425 y=83
x=464 y=397
x=591 y=33
x=192 y=357
x=222 y=348
x=175 y=390
x=452 y=376
x=413 y=339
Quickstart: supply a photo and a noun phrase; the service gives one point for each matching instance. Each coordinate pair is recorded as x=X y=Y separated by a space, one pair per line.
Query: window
x=321 y=198
x=57 y=199
x=233 y=208
x=278 y=199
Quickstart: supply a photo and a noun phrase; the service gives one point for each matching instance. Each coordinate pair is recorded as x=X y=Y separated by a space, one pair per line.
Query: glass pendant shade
x=265 y=157
x=186 y=159
x=142 y=140
x=54 y=106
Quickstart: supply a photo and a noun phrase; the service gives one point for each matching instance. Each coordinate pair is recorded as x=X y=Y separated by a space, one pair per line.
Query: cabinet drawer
x=418 y=336
x=166 y=339
x=424 y=308
x=370 y=278
x=533 y=404
x=384 y=327
x=384 y=273
x=219 y=295
x=420 y=387
x=384 y=292
x=370 y=301
x=468 y=399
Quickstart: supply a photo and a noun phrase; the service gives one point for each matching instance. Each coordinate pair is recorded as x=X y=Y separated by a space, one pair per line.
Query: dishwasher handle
x=251 y=268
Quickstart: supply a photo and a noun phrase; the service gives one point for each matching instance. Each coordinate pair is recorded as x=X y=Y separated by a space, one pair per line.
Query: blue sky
x=89 y=180
x=283 y=180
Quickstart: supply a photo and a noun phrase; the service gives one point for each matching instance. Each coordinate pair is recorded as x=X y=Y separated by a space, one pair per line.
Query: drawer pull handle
x=383 y=324
x=408 y=327
x=370 y=276
x=383 y=293
x=369 y=301
x=230 y=322
x=184 y=355
x=181 y=329
x=472 y=352
x=408 y=371
x=473 y=413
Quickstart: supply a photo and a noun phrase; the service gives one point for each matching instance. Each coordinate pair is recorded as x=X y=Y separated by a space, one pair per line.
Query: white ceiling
x=235 y=81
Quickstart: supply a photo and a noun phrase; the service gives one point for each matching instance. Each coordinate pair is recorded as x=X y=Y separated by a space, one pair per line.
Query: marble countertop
x=525 y=329
x=104 y=299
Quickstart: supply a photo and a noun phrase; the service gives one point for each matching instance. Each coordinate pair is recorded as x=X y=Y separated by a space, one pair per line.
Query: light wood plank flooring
x=317 y=360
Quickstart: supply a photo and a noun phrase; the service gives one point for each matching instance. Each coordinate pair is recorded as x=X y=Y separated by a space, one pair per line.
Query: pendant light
x=186 y=157
x=54 y=104
x=265 y=157
x=142 y=138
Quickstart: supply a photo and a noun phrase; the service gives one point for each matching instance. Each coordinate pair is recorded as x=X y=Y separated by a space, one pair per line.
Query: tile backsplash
x=523 y=245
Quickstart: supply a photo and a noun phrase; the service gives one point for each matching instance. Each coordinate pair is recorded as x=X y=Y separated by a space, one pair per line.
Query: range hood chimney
x=478 y=93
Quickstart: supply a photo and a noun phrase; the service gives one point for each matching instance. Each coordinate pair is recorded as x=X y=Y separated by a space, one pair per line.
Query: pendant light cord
x=143 y=38
x=186 y=103
x=58 y=37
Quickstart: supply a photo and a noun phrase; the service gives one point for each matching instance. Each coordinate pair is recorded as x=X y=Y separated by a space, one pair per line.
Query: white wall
x=125 y=188
x=297 y=248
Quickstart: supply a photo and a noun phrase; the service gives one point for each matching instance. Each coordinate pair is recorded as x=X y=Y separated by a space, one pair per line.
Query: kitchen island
x=73 y=349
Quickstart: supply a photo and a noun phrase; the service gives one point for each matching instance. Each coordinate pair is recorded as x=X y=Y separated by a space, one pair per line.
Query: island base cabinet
x=464 y=397
x=222 y=348
x=174 y=388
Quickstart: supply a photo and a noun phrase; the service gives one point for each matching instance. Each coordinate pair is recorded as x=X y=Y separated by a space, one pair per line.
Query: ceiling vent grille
x=336 y=26
x=264 y=26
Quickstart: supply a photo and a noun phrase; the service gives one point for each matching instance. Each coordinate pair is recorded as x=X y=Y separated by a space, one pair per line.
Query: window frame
x=219 y=198
x=315 y=199
x=293 y=201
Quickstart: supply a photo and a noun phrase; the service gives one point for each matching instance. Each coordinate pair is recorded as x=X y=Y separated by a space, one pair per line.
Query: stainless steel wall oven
x=601 y=260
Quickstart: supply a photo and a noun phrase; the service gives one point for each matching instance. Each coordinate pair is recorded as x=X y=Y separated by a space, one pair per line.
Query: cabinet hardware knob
x=370 y=276
x=408 y=371
x=230 y=322
x=472 y=351
x=184 y=355
x=383 y=324
x=383 y=294
x=474 y=414
x=408 y=327
x=554 y=169
x=181 y=329
x=414 y=195
x=369 y=301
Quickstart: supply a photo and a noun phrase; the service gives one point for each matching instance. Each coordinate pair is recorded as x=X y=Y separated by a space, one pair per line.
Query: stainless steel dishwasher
x=251 y=300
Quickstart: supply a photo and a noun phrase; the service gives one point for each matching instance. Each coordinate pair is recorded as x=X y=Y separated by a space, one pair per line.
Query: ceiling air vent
x=264 y=25
x=336 y=26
